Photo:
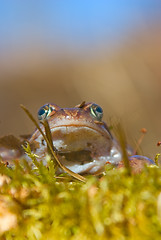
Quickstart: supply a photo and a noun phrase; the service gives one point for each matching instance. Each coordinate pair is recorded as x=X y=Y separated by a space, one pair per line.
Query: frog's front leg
x=10 y=149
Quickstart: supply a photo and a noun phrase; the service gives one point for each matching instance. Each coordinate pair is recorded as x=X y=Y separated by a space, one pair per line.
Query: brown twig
x=122 y=140
x=143 y=132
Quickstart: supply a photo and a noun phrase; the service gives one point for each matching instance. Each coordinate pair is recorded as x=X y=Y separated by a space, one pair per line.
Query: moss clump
x=115 y=206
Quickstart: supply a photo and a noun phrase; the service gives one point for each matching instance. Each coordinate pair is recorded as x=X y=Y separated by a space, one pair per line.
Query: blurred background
x=67 y=51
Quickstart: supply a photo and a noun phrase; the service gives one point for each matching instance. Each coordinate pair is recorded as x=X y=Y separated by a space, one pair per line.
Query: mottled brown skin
x=10 y=148
x=74 y=117
x=137 y=163
x=79 y=138
x=83 y=141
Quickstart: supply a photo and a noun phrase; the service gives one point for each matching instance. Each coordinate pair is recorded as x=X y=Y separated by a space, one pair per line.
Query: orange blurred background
x=125 y=80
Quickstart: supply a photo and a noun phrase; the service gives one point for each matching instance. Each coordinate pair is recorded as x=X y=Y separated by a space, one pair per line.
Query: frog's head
x=83 y=141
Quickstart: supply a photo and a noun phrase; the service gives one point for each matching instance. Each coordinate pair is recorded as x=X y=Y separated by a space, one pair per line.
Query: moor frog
x=82 y=139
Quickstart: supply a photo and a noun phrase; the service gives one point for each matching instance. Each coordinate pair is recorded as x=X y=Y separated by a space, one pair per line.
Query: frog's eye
x=96 y=111
x=44 y=112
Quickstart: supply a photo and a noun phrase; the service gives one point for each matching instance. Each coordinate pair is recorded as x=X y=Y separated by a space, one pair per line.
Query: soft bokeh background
x=108 y=52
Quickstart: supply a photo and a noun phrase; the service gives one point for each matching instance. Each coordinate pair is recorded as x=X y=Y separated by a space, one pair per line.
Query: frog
x=82 y=140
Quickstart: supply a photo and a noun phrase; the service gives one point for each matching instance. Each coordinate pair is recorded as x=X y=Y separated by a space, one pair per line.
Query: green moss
x=115 y=206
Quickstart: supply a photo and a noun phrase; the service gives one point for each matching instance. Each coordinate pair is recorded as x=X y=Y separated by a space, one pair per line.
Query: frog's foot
x=137 y=163
x=10 y=149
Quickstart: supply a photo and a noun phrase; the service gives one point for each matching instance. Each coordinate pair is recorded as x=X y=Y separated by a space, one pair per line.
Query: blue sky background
x=79 y=24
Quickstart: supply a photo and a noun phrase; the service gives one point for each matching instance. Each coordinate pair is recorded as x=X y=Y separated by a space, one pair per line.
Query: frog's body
x=83 y=141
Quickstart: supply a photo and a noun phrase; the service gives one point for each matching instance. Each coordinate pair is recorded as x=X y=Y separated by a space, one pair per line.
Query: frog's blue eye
x=96 y=111
x=44 y=112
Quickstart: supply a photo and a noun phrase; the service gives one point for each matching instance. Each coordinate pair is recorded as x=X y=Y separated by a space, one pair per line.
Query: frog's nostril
x=43 y=142
x=89 y=144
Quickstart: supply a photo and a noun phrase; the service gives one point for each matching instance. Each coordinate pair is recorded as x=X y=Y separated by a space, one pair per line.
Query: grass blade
x=48 y=141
